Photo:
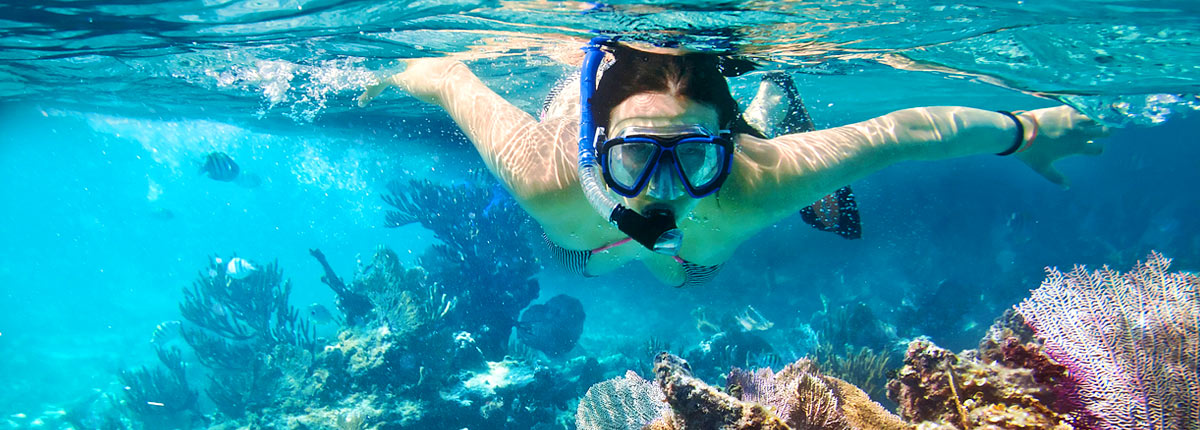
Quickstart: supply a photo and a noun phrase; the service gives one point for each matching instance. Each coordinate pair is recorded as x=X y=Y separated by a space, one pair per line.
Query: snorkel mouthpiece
x=656 y=230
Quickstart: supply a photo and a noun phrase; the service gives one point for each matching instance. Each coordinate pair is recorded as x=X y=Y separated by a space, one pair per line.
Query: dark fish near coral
x=553 y=327
x=320 y=314
x=220 y=166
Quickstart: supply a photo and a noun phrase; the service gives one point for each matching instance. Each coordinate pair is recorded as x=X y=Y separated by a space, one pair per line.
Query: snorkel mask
x=656 y=229
x=662 y=158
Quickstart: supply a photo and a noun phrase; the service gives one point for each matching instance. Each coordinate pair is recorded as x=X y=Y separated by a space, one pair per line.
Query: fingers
x=370 y=93
x=1053 y=175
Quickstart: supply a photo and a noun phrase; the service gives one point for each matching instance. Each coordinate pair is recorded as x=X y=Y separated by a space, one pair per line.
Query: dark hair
x=697 y=76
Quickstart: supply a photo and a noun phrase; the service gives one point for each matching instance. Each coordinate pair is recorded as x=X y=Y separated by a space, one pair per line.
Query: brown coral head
x=667 y=364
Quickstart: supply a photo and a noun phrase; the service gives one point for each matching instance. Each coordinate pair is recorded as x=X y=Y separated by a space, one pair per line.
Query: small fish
x=751 y=320
x=220 y=166
x=320 y=314
x=166 y=331
x=239 y=268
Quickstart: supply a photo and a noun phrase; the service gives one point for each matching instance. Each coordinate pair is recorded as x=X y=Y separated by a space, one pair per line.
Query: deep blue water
x=106 y=112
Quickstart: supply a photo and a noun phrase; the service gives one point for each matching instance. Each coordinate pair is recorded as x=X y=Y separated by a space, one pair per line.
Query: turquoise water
x=107 y=110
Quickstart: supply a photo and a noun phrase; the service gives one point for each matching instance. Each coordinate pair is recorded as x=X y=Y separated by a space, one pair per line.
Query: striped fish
x=219 y=166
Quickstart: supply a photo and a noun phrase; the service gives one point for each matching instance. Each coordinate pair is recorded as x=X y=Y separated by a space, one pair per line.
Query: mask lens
x=700 y=162
x=628 y=161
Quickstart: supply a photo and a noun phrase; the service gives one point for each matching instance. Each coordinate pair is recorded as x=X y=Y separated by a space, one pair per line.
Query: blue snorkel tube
x=656 y=230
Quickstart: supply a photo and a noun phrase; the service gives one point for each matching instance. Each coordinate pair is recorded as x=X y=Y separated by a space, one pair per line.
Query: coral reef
x=794 y=394
x=406 y=364
x=240 y=329
x=740 y=339
x=230 y=317
x=941 y=389
x=407 y=300
x=420 y=346
x=1111 y=351
x=866 y=369
x=1130 y=342
x=430 y=345
x=623 y=403
x=484 y=258
x=159 y=398
x=798 y=397
x=355 y=306
x=102 y=411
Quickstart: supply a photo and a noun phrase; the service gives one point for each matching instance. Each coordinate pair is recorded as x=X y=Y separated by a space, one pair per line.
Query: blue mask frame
x=664 y=154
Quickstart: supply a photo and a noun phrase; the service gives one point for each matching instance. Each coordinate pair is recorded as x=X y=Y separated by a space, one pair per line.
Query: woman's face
x=660 y=109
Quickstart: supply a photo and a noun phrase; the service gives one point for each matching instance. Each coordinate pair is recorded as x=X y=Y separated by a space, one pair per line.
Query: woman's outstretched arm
x=776 y=177
x=519 y=150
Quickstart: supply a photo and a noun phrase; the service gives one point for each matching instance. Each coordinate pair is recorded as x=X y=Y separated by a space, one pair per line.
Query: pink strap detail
x=626 y=240
x=611 y=245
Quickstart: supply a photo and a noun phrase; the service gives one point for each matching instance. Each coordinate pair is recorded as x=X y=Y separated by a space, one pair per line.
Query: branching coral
x=236 y=326
x=1130 y=341
x=254 y=309
x=354 y=305
x=484 y=258
x=235 y=393
x=161 y=397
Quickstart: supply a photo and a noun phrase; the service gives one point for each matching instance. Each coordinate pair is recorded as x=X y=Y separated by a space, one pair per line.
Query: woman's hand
x=423 y=78
x=1061 y=132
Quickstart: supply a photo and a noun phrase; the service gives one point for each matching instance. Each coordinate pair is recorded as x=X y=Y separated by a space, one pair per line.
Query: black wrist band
x=1020 y=133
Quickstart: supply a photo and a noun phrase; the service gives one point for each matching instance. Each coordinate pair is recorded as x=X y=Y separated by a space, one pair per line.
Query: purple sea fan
x=798 y=394
x=1130 y=342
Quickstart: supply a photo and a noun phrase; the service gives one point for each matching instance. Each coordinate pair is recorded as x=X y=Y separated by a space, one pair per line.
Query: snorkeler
x=658 y=154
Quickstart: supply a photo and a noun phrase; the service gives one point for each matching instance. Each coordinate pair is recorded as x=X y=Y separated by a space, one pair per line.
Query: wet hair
x=697 y=76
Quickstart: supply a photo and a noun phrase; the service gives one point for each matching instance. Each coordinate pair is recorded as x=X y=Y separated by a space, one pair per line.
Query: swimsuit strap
x=695 y=274
x=576 y=261
x=615 y=244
